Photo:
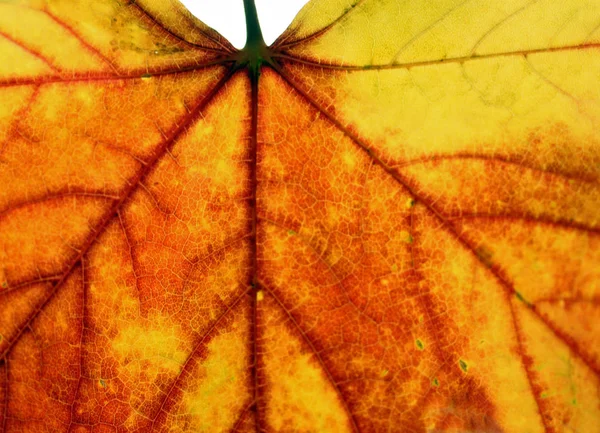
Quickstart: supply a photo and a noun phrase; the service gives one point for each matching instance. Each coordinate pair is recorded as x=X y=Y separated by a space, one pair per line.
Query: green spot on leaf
x=102 y=383
x=435 y=382
x=463 y=365
x=291 y=232
x=419 y=344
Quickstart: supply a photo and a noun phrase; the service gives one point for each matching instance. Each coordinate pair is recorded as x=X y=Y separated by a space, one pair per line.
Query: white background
x=227 y=17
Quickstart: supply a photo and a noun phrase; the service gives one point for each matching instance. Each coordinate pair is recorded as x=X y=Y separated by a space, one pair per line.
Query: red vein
x=4 y=408
x=527 y=218
x=254 y=367
x=131 y=257
x=152 y=19
x=31 y=51
x=521 y=352
x=566 y=338
x=280 y=44
x=162 y=150
x=25 y=284
x=206 y=257
x=81 y=338
x=581 y=177
x=242 y=417
x=196 y=23
x=450 y=60
x=95 y=76
x=338 y=281
x=335 y=385
x=253 y=246
x=253 y=173
x=14 y=126
x=54 y=196
x=197 y=346
x=90 y=48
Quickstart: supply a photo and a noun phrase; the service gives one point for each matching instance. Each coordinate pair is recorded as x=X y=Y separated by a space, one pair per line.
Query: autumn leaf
x=387 y=221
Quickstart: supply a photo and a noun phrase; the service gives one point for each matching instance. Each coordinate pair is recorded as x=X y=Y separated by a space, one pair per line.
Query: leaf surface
x=392 y=227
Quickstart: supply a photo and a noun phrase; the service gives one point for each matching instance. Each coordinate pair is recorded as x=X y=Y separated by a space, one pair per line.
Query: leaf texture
x=395 y=227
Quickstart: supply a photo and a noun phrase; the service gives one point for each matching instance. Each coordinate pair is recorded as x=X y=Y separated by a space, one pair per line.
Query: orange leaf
x=387 y=221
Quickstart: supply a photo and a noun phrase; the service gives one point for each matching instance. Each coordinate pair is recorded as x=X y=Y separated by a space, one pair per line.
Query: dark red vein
x=253 y=245
x=450 y=60
x=317 y=355
x=254 y=367
x=112 y=212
